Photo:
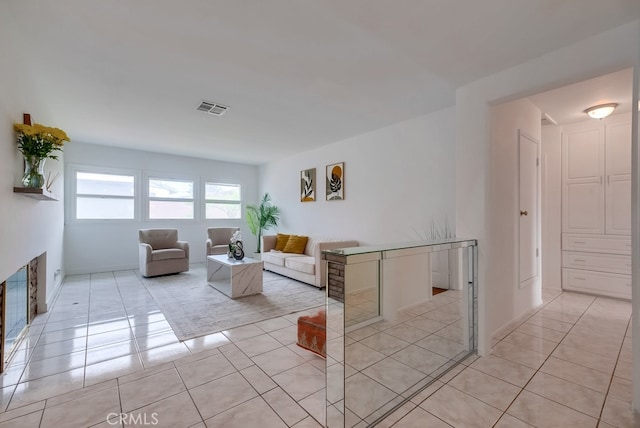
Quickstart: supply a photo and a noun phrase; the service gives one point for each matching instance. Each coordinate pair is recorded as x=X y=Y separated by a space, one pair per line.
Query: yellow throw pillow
x=281 y=241
x=296 y=244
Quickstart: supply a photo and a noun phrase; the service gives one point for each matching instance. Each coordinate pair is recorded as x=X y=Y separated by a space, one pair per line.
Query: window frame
x=71 y=189
x=239 y=202
x=151 y=175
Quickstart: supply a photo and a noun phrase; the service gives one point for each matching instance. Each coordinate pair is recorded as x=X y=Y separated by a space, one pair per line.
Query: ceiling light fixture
x=601 y=111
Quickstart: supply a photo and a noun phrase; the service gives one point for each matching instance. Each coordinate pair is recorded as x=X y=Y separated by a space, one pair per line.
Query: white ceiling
x=297 y=74
x=567 y=104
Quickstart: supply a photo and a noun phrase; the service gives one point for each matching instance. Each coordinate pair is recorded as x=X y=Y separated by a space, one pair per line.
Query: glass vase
x=33 y=171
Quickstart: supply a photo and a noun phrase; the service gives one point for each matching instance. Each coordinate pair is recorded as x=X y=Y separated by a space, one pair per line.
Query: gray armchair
x=219 y=239
x=161 y=253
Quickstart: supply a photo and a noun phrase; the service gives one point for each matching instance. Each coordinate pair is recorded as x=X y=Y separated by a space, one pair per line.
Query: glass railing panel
x=416 y=324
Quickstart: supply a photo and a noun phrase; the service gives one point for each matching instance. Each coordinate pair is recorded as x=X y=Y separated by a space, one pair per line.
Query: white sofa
x=307 y=267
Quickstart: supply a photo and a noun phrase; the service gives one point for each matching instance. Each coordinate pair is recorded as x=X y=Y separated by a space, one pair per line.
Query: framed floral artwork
x=335 y=182
x=308 y=185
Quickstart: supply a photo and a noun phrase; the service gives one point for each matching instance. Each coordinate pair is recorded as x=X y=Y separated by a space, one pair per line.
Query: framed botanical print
x=308 y=185
x=335 y=182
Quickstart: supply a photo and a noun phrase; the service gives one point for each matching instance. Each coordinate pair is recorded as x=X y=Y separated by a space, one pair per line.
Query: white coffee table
x=235 y=278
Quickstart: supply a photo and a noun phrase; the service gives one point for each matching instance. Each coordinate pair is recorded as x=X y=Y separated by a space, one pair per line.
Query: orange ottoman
x=312 y=333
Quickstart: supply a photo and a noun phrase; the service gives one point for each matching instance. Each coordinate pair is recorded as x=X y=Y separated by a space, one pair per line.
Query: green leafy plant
x=262 y=217
x=39 y=140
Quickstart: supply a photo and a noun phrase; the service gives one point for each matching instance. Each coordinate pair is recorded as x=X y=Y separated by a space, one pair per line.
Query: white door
x=440 y=269
x=583 y=178
x=528 y=210
x=618 y=173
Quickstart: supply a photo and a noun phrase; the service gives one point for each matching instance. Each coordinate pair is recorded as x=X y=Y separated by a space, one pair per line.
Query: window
x=104 y=196
x=170 y=199
x=222 y=201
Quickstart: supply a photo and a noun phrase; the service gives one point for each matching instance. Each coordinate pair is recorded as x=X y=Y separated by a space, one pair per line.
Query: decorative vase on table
x=235 y=246
x=238 y=252
x=33 y=171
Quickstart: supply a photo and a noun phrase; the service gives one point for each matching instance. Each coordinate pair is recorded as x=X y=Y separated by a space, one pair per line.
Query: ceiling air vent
x=212 y=108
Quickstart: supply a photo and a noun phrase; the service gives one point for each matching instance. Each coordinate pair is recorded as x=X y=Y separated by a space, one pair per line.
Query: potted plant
x=38 y=143
x=262 y=217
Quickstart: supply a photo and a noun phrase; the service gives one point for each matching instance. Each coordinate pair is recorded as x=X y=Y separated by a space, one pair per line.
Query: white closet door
x=528 y=210
x=583 y=204
x=618 y=173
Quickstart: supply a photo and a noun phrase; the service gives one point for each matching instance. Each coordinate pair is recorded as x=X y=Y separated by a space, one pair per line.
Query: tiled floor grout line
x=86 y=342
x=193 y=401
x=613 y=373
x=599 y=419
x=413 y=316
x=511 y=330
x=499 y=341
x=547 y=358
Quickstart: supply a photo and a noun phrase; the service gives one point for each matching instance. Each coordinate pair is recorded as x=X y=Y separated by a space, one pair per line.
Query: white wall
x=635 y=230
x=506 y=120
x=397 y=180
x=98 y=246
x=551 y=163
x=28 y=228
x=606 y=52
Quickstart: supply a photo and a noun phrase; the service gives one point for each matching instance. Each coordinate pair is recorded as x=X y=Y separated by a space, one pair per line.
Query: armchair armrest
x=144 y=252
x=184 y=245
x=209 y=245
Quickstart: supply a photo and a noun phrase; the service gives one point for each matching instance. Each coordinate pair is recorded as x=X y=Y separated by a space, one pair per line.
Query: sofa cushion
x=277 y=258
x=281 y=241
x=303 y=264
x=296 y=244
x=224 y=248
x=159 y=239
x=168 y=253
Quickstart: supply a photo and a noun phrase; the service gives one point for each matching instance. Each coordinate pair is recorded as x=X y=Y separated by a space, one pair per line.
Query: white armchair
x=219 y=239
x=161 y=253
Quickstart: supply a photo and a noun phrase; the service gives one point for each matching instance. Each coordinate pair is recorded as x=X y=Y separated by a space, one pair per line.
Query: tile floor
x=393 y=360
x=568 y=365
x=105 y=356
x=105 y=350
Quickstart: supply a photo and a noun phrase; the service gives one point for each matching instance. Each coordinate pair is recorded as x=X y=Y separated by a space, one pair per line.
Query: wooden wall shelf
x=35 y=193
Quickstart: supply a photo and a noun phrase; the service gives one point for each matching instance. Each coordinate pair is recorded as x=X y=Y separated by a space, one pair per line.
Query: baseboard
x=98 y=269
x=413 y=305
x=507 y=328
x=57 y=287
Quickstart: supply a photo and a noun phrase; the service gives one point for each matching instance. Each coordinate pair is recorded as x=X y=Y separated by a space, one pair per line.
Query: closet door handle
x=524 y=212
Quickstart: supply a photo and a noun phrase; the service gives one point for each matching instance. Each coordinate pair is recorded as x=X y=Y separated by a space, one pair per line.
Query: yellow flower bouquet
x=39 y=140
x=38 y=143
